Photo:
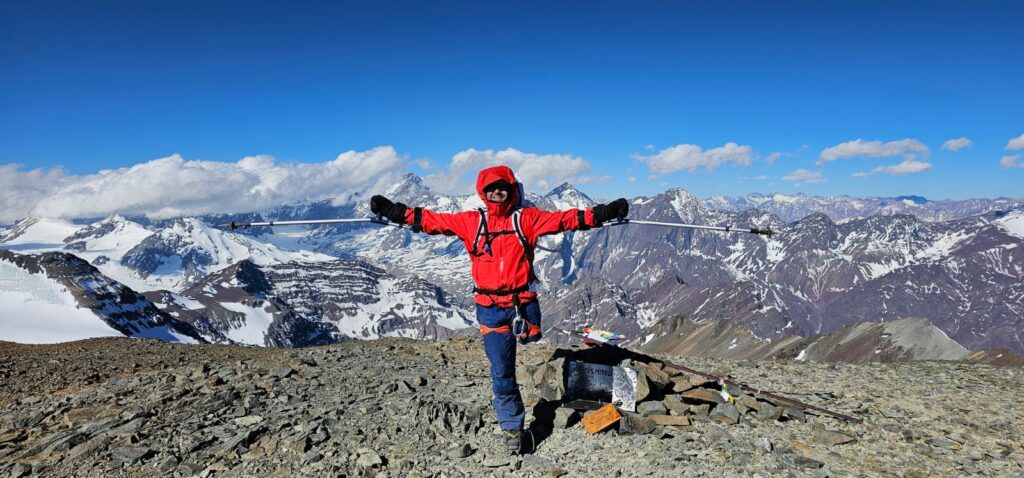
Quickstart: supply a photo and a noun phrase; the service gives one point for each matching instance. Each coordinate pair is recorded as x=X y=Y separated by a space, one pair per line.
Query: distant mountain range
x=844 y=208
x=848 y=261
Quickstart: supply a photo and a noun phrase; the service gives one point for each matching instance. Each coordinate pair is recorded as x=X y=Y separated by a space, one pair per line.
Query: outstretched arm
x=542 y=223
x=424 y=220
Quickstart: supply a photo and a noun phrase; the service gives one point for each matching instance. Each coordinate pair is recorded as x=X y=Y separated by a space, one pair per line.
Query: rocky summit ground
x=128 y=407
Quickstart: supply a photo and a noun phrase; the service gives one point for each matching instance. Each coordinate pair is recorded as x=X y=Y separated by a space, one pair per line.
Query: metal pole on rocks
x=725 y=380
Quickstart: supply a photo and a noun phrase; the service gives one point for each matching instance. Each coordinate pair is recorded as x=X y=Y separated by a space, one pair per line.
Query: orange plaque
x=600 y=420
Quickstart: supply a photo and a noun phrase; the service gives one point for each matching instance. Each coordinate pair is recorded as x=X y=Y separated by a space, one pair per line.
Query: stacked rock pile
x=665 y=396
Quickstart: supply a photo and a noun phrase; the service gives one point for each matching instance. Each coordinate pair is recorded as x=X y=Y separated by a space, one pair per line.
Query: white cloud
x=760 y=178
x=1011 y=162
x=21 y=190
x=692 y=158
x=631 y=179
x=908 y=166
x=805 y=176
x=173 y=186
x=773 y=157
x=1015 y=143
x=536 y=172
x=908 y=148
x=956 y=144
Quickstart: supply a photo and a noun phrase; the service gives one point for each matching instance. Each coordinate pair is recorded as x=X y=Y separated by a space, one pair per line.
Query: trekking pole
x=752 y=230
x=375 y=220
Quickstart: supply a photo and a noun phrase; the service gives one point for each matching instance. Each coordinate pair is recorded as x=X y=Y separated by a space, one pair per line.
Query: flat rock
x=747 y=403
x=90 y=447
x=282 y=372
x=670 y=420
x=369 y=458
x=643 y=387
x=651 y=408
x=633 y=424
x=704 y=395
x=830 y=437
x=131 y=454
x=460 y=451
x=566 y=417
x=675 y=404
x=537 y=462
x=496 y=461
x=248 y=420
x=725 y=413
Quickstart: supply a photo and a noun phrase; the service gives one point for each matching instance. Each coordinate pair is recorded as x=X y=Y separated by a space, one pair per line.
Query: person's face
x=497 y=195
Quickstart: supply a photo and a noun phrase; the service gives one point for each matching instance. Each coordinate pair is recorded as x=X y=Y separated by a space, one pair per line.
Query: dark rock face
x=157 y=249
x=313 y=304
x=120 y=307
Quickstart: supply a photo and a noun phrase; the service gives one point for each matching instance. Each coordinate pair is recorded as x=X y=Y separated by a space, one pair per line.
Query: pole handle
x=767 y=231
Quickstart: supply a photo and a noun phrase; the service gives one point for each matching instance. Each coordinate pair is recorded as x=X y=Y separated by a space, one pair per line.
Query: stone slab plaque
x=605 y=383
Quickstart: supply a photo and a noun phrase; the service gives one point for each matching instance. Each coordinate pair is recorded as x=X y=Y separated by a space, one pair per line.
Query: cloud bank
x=173 y=186
x=536 y=171
x=909 y=148
x=858 y=148
x=694 y=158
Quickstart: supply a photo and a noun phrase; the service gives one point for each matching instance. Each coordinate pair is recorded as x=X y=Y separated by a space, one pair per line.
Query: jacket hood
x=492 y=175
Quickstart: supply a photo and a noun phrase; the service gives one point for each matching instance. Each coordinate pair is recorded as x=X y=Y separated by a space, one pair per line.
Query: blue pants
x=501 y=352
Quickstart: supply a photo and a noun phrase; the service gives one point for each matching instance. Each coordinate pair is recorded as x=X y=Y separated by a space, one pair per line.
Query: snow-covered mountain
x=814 y=276
x=817 y=276
x=791 y=207
x=56 y=297
x=171 y=256
x=300 y=304
x=34 y=233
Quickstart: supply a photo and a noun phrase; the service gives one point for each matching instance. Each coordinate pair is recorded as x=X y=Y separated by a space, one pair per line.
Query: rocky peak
x=685 y=204
x=18 y=229
x=409 y=185
x=109 y=225
x=566 y=196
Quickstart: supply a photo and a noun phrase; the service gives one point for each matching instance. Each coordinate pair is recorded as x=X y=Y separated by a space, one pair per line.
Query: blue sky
x=89 y=86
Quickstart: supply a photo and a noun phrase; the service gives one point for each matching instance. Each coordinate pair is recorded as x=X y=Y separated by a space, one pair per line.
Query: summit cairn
x=652 y=397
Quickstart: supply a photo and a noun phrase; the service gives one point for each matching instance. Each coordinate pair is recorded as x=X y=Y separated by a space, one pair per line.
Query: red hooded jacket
x=507 y=267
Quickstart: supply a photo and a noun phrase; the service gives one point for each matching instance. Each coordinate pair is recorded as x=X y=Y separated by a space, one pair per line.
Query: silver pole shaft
x=383 y=222
x=753 y=230
x=235 y=225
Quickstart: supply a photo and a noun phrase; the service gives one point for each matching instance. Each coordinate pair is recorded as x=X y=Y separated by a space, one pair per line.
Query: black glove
x=394 y=212
x=617 y=209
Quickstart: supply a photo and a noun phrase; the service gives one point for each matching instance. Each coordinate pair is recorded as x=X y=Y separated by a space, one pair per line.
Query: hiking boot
x=513 y=441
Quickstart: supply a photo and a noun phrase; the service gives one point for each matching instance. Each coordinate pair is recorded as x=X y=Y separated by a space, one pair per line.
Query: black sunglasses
x=498 y=185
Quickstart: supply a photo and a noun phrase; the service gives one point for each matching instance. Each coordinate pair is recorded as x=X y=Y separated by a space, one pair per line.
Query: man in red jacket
x=500 y=241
